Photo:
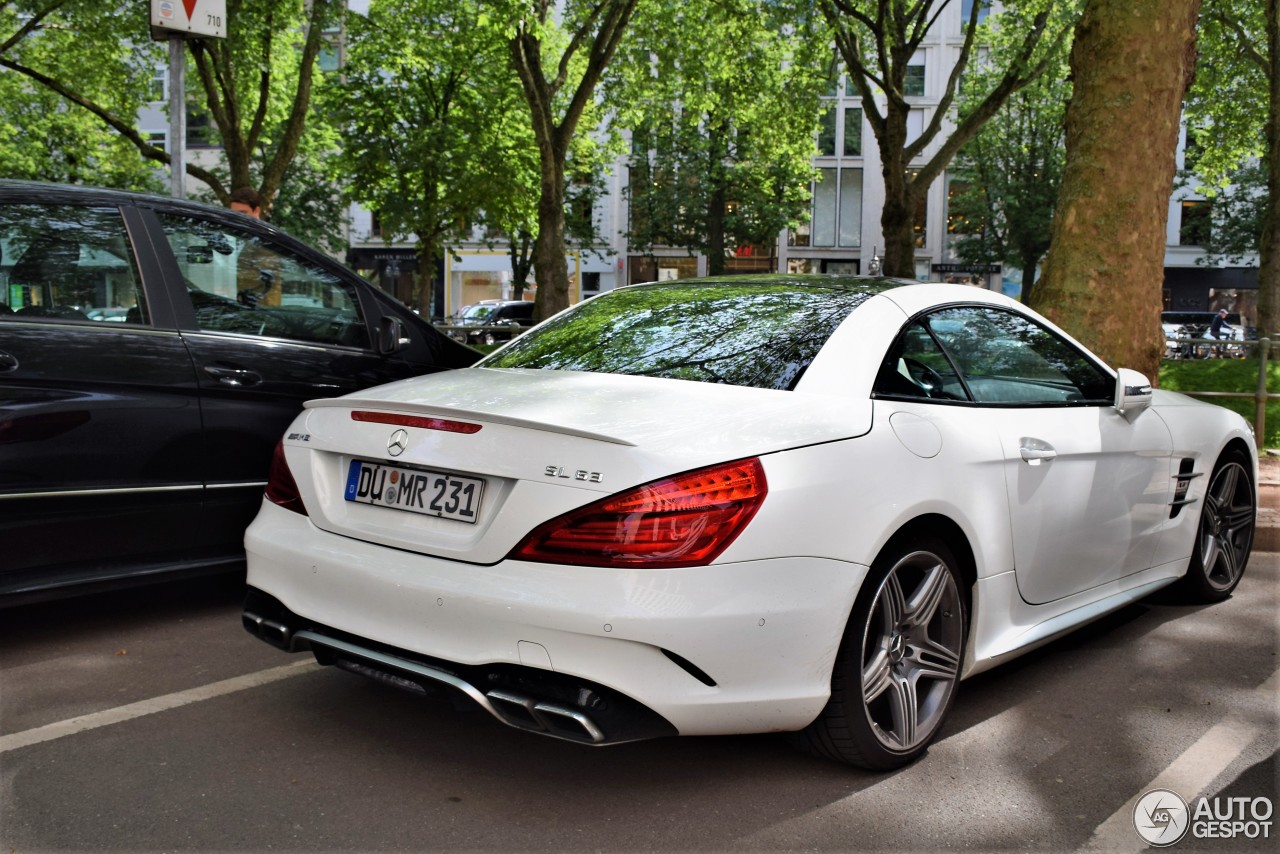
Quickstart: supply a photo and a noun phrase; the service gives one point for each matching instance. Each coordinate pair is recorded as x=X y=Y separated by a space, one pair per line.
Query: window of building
x=913 y=85
x=827 y=133
x=966 y=9
x=201 y=132
x=837 y=210
x=159 y=90
x=824 y=209
x=920 y=224
x=957 y=223
x=851 y=207
x=915 y=125
x=799 y=236
x=1196 y=226
x=852 y=132
x=158 y=138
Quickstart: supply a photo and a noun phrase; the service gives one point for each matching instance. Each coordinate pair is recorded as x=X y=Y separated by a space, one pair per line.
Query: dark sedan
x=152 y=352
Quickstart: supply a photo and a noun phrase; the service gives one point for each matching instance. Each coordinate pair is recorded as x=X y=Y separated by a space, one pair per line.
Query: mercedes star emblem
x=398 y=442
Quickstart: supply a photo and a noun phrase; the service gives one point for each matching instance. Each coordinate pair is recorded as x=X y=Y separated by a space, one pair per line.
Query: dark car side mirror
x=391 y=335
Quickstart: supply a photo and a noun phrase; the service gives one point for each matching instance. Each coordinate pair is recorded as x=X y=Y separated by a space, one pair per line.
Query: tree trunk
x=1132 y=61
x=426 y=271
x=715 y=232
x=898 y=216
x=1269 y=247
x=550 y=269
x=1029 y=262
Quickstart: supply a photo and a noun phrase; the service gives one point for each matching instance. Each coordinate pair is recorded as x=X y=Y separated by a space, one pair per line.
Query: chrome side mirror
x=1133 y=393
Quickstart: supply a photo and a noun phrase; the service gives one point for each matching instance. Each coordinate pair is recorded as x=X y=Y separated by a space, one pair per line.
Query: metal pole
x=177 y=119
x=1260 y=398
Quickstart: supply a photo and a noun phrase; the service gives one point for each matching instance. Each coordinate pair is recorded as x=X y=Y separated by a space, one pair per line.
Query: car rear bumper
x=731 y=648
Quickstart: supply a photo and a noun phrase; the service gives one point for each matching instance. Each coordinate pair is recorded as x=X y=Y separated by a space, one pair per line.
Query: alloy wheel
x=911 y=651
x=1226 y=526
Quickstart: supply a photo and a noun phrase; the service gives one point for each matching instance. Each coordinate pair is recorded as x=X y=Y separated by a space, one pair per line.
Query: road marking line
x=49 y=732
x=1188 y=775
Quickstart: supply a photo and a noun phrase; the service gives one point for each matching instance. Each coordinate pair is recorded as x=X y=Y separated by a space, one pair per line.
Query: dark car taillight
x=686 y=520
x=282 y=489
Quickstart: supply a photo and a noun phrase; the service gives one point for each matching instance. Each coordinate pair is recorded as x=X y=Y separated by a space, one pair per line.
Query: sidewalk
x=1267 y=536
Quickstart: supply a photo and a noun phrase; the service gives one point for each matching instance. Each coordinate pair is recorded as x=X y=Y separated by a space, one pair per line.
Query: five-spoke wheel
x=1225 y=534
x=899 y=662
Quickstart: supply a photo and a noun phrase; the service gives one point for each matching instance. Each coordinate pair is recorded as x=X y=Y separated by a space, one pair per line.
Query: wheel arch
x=946 y=529
x=1240 y=446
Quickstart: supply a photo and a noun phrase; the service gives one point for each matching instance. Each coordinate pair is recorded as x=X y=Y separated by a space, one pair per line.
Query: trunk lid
x=547 y=442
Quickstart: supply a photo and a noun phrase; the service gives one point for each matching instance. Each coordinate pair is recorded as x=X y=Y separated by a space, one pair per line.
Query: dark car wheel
x=1225 y=533
x=896 y=673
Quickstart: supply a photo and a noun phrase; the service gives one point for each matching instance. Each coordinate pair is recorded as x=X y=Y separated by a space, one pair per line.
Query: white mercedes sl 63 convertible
x=741 y=505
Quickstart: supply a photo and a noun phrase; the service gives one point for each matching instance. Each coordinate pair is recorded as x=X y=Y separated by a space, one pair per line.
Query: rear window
x=762 y=335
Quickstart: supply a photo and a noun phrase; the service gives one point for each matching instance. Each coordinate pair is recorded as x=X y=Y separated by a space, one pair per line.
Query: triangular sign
x=190 y=6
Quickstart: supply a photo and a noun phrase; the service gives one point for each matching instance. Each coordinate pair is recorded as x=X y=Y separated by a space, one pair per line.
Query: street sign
x=189 y=19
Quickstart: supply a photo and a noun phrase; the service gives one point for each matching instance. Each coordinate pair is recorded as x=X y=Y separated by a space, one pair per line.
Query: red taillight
x=686 y=520
x=282 y=489
x=445 y=424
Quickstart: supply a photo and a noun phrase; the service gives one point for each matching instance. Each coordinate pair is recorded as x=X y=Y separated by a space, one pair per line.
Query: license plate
x=430 y=493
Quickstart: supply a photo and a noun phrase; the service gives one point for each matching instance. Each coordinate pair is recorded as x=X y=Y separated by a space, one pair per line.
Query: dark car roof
x=41 y=192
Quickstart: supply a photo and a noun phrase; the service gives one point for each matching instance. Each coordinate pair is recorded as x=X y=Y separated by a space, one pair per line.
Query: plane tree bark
x=1132 y=62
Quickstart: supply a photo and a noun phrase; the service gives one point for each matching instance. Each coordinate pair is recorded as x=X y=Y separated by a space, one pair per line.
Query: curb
x=1266 y=538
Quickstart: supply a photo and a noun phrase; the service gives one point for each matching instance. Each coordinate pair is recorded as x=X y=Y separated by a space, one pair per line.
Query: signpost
x=174 y=21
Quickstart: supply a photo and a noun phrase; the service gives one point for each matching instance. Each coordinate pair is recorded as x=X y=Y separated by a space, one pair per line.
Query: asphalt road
x=151 y=721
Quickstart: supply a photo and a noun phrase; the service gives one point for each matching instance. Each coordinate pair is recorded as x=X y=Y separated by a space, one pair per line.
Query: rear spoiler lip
x=453 y=412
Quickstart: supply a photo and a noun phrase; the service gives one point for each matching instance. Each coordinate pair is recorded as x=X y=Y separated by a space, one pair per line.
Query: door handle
x=233 y=377
x=1034 y=451
x=8 y=361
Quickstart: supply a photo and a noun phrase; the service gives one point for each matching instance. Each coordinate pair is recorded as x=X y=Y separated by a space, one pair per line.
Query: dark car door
x=100 y=431
x=270 y=324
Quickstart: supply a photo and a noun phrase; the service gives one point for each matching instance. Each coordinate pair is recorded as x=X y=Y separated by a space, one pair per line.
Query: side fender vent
x=1185 y=476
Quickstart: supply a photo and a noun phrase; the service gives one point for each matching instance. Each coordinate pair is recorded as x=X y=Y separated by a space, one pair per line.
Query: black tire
x=898 y=667
x=1224 y=534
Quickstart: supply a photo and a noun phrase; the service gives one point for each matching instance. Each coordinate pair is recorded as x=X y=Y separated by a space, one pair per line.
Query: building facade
x=842 y=236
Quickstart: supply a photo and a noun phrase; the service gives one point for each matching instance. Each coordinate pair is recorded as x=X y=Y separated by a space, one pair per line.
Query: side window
x=1009 y=359
x=239 y=283
x=61 y=262
x=917 y=367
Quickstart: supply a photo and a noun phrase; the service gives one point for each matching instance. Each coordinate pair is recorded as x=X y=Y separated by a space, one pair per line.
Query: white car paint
x=1063 y=514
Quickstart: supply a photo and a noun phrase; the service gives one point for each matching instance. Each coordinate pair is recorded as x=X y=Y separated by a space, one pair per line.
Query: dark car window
x=67 y=263
x=761 y=335
x=917 y=367
x=239 y=283
x=1008 y=359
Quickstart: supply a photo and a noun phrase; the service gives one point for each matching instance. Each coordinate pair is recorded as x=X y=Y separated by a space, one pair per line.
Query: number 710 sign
x=189 y=19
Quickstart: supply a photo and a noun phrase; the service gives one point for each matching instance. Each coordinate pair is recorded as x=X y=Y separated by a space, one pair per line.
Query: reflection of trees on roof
x=761 y=335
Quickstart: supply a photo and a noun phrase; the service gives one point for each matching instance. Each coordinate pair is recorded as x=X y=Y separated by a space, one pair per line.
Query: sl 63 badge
x=578 y=474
